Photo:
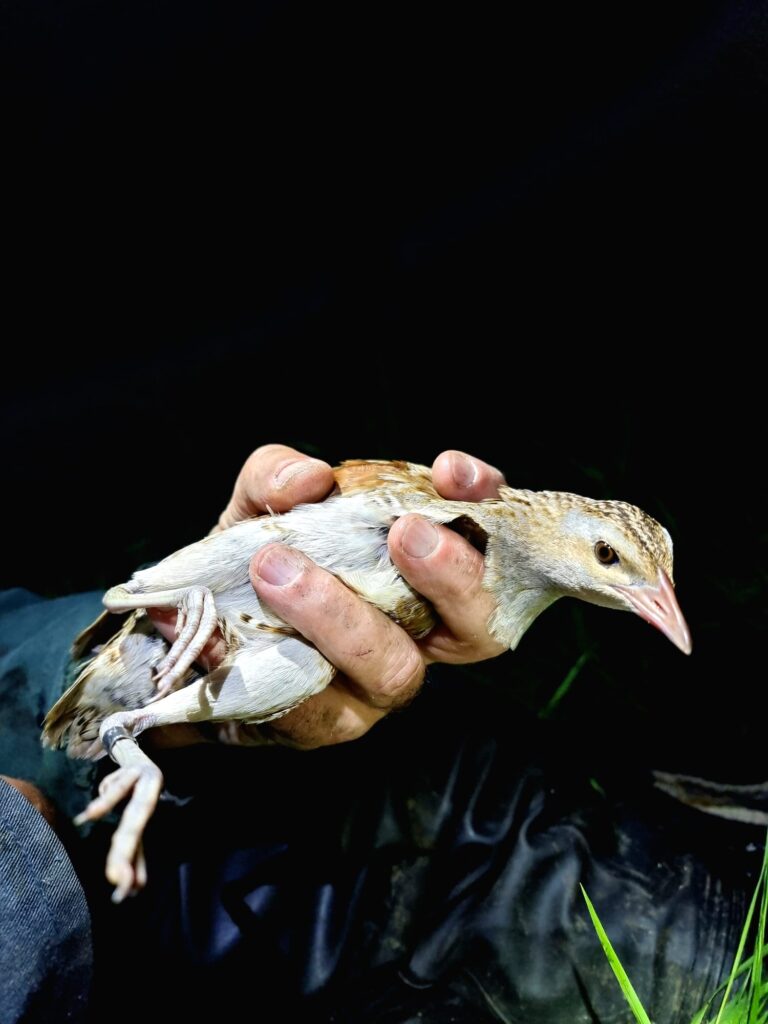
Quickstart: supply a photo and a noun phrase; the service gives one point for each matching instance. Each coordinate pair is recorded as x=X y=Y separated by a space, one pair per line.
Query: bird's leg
x=253 y=686
x=138 y=778
x=195 y=625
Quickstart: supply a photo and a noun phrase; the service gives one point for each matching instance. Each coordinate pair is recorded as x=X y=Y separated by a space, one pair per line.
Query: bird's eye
x=605 y=554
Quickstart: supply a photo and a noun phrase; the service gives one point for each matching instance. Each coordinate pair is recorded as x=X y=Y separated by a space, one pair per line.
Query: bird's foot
x=195 y=625
x=140 y=780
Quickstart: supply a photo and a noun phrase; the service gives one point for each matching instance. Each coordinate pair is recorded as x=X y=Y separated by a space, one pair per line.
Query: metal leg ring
x=111 y=736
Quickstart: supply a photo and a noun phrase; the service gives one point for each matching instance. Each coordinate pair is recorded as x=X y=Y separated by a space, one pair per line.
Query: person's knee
x=36 y=797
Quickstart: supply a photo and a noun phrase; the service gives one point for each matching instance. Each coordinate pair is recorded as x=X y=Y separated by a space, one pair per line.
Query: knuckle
x=461 y=589
x=303 y=728
x=320 y=723
x=401 y=676
x=346 y=729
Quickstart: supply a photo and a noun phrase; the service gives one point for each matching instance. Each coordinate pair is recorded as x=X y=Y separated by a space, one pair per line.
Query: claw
x=141 y=782
x=197 y=613
x=162 y=691
x=196 y=621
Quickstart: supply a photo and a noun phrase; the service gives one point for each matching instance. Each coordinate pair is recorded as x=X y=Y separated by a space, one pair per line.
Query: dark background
x=534 y=232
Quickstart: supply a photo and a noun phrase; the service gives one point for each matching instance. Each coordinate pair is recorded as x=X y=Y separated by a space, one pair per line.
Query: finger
x=447 y=570
x=276 y=477
x=379 y=657
x=462 y=477
x=335 y=715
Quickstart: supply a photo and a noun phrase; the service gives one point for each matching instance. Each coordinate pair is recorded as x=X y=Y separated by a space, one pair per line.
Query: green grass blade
x=551 y=706
x=736 y=1011
x=756 y=975
x=702 y=1017
x=621 y=975
x=720 y=1019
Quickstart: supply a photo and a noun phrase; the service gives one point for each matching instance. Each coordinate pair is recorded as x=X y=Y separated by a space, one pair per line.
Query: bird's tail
x=118 y=678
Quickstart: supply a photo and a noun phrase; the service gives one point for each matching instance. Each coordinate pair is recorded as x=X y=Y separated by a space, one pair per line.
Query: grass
x=551 y=706
x=743 y=998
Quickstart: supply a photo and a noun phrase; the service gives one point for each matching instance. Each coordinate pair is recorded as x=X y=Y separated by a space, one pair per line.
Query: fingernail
x=288 y=473
x=419 y=538
x=279 y=567
x=463 y=470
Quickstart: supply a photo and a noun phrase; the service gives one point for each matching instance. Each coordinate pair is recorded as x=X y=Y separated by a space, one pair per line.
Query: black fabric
x=431 y=872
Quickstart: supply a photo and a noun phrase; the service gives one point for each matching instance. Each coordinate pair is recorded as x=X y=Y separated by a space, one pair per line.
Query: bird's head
x=605 y=552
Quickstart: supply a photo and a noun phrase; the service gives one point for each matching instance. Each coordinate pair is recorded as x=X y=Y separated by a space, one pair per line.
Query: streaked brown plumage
x=539 y=546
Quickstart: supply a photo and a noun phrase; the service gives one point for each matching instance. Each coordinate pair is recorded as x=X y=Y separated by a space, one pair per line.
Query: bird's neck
x=514 y=573
x=521 y=594
x=518 y=526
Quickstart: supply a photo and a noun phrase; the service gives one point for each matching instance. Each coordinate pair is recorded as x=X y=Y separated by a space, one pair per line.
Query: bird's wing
x=100 y=631
x=357 y=475
x=119 y=677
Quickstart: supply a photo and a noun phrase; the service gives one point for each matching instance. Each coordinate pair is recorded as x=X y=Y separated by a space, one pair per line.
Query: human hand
x=380 y=666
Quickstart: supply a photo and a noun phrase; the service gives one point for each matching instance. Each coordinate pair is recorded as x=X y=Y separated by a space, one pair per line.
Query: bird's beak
x=658 y=605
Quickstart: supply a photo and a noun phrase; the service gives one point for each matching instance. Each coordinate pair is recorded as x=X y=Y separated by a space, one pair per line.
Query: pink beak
x=658 y=605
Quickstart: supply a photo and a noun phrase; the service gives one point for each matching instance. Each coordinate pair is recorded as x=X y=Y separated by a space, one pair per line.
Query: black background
x=534 y=232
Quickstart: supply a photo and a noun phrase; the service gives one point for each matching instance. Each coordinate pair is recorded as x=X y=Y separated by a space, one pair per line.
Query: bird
x=539 y=546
